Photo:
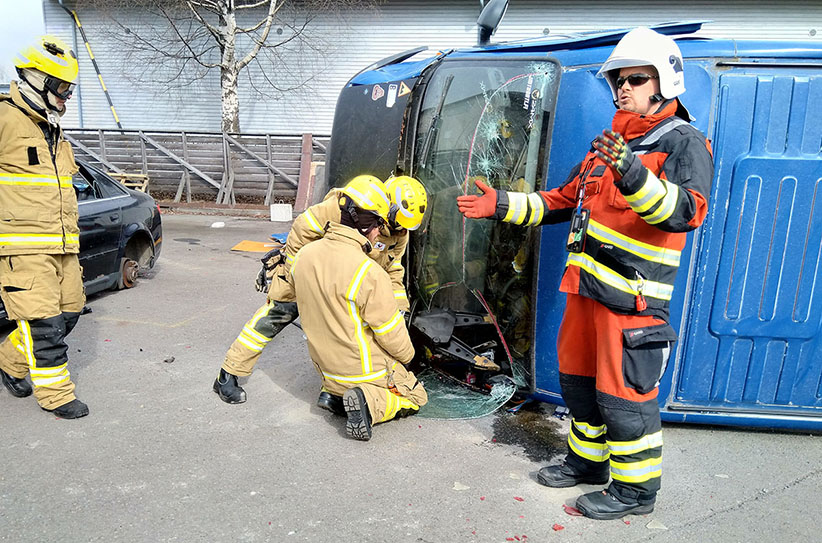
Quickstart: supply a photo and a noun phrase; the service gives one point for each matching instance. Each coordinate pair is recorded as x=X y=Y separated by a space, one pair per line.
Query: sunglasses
x=635 y=80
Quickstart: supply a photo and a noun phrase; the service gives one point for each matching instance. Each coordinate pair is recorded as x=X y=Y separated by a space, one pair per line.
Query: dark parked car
x=120 y=231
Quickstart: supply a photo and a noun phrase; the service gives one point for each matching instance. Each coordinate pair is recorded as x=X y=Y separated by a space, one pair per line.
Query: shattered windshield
x=483 y=120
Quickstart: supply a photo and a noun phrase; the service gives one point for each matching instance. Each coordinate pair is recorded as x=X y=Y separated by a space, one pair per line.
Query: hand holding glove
x=612 y=149
x=478 y=206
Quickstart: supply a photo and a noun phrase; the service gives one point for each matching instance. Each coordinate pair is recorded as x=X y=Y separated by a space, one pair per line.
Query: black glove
x=612 y=149
x=263 y=281
x=270 y=261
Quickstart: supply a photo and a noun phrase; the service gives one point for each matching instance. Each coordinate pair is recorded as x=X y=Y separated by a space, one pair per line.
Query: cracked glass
x=487 y=121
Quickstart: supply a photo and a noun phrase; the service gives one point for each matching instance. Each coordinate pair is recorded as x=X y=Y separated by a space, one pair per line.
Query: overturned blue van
x=748 y=299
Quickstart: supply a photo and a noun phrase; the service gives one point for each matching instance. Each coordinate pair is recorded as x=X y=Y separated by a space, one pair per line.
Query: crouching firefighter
x=356 y=334
x=407 y=202
x=41 y=282
x=640 y=189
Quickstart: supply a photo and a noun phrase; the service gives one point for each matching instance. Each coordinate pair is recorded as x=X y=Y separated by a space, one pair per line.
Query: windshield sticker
x=527 y=102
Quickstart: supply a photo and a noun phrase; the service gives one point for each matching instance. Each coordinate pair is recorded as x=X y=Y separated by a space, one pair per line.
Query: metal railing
x=262 y=168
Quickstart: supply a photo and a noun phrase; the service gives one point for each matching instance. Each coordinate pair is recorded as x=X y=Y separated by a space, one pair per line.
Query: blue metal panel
x=570 y=54
x=392 y=72
x=586 y=40
x=574 y=128
x=753 y=340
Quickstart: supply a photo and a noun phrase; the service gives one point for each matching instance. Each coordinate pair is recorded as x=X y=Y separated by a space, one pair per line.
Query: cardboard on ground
x=249 y=246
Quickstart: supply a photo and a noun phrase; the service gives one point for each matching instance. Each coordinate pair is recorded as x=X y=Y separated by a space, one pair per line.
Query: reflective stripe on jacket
x=355 y=331
x=38 y=206
x=638 y=225
x=310 y=226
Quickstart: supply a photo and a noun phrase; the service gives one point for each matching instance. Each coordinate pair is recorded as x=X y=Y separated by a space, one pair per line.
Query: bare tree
x=192 y=38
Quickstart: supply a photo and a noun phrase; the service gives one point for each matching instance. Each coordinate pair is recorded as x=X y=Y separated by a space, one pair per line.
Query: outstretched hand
x=612 y=149
x=478 y=206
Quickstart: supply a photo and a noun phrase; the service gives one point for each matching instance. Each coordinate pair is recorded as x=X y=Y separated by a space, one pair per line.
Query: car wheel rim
x=130 y=269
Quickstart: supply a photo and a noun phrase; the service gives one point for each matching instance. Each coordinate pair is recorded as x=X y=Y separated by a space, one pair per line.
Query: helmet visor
x=61 y=89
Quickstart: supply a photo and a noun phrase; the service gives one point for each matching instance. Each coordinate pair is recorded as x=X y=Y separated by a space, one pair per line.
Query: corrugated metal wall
x=139 y=104
x=348 y=44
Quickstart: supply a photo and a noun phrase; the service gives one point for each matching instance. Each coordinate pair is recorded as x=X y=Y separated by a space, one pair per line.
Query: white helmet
x=644 y=47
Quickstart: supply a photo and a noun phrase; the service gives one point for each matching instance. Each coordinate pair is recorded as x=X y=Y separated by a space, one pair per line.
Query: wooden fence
x=260 y=168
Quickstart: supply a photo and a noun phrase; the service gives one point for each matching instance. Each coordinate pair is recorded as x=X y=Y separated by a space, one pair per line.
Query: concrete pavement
x=161 y=458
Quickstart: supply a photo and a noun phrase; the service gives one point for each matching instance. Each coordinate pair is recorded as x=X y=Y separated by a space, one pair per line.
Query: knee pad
x=70 y=319
x=287 y=311
x=628 y=420
x=48 y=340
x=580 y=395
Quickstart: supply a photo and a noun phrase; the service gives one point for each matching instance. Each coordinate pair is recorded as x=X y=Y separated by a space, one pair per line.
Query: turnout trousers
x=44 y=295
x=610 y=365
x=258 y=332
x=398 y=393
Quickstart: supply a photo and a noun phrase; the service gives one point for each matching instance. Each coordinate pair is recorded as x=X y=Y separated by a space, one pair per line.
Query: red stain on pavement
x=573 y=511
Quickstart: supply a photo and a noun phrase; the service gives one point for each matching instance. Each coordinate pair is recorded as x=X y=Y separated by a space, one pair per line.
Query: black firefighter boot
x=18 y=387
x=72 y=410
x=565 y=475
x=226 y=387
x=359 y=417
x=604 y=505
x=332 y=403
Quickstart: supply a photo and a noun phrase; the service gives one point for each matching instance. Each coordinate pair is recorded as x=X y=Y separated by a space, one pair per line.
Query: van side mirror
x=489 y=19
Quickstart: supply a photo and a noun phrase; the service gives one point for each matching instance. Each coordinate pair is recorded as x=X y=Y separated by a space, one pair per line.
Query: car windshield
x=485 y=120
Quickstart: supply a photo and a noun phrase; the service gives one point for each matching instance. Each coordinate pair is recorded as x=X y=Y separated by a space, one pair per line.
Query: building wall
x=347 y=44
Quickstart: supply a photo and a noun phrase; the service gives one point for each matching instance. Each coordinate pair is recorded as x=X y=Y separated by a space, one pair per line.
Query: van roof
x=591 y=48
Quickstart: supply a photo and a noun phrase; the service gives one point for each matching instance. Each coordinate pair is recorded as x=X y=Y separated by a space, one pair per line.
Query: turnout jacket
x=311 y=225
x=638 y=225
x=355 y=331
x=38 y=206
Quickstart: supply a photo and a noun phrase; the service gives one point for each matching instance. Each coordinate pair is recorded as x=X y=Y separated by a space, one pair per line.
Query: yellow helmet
x=54 y=58
x=51 y=56
x=408 y=202
x=368 y=193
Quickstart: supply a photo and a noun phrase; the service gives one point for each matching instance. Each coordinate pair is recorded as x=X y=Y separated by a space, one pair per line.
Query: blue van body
x=748 y=298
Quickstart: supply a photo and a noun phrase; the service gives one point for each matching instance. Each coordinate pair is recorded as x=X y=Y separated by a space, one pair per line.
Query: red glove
x=478 y=207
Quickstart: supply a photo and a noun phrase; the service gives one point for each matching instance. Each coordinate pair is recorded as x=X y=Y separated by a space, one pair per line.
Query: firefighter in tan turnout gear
x=408 y=200
x=356 y=334
x=41 y=281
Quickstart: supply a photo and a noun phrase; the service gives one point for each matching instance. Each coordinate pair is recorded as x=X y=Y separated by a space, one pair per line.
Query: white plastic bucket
x=281 y=212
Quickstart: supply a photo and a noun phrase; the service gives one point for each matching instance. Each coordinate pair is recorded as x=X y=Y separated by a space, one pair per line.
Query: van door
x=752 y=339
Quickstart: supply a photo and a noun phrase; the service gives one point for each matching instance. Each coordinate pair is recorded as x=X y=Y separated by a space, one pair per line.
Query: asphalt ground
x=161 y=458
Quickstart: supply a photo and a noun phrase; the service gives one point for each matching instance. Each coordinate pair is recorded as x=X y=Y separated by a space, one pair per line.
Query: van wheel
x=128 y=273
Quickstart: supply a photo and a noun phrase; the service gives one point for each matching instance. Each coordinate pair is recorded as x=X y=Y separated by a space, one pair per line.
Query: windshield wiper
x=435 y=121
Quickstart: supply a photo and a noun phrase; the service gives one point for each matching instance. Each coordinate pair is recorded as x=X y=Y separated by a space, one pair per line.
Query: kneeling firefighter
x=41 y=282
x=407 y=204
x=356 y=333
